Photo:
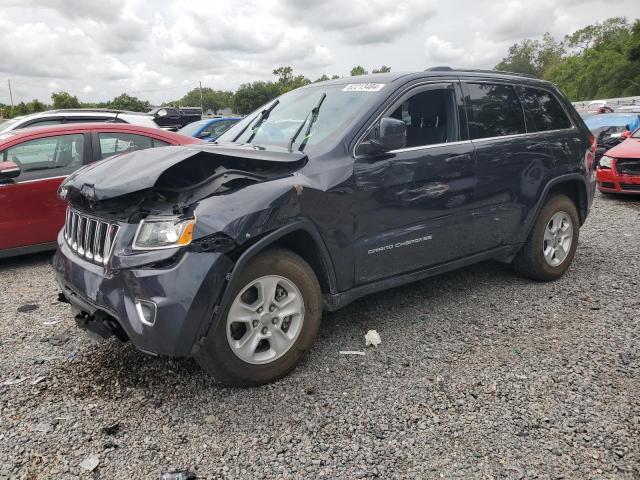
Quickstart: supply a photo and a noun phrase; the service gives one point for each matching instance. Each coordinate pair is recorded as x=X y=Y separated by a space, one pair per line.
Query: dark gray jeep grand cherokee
x=229 y=252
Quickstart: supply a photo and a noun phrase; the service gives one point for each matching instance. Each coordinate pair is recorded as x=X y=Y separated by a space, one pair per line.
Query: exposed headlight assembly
x=605 y=162
x=155 y=233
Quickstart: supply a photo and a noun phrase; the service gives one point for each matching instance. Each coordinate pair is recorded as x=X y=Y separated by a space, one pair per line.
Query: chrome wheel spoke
x=557 y=238
x=265 y=319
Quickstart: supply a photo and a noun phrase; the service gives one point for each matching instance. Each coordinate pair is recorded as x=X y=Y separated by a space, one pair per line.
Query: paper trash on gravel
x=372 y=338
x=13 y=381
x=185 y=475
x=351 y=352
x=90 y=463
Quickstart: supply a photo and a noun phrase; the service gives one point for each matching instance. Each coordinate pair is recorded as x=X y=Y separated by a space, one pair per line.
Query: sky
x=160 y=49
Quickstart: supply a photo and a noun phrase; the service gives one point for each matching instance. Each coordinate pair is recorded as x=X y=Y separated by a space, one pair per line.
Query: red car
x=618 y=169
x=33 y=163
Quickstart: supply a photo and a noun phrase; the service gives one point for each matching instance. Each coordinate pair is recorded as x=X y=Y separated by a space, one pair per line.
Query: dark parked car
x=172 y=118
x=35 y=161
x=230 y=252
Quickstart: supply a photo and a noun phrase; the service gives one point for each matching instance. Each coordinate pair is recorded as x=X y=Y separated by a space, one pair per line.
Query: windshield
x=190 y=129
x=341 y=104
x=610 y=120
x=8 y=123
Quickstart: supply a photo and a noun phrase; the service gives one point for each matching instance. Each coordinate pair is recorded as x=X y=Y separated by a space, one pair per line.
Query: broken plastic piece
x=351 y=352
x=372 y=338
x=184 y=475
x=90 y=463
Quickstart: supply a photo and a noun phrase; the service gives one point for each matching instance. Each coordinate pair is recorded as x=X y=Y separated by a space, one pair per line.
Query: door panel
x=413 y=210
x=31 y=211
x=512 y=164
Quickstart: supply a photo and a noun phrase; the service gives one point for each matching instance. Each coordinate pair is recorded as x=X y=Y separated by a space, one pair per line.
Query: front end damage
x=163 y=299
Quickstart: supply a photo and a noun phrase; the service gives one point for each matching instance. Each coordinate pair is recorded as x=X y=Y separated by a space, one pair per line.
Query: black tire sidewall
x=558 y=203
x=218 y=358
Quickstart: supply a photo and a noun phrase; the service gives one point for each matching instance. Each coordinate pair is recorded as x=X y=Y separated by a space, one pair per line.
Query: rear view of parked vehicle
x=229 y=252
x=33 y=163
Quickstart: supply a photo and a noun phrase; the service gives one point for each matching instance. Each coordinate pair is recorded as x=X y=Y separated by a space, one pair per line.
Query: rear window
x=494 y=111
x=544 y=112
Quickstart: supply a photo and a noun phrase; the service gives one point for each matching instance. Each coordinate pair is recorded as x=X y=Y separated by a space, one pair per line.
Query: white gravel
x=480 y=374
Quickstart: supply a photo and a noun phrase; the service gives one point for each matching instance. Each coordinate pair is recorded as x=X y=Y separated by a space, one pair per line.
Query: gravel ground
x=480 y=374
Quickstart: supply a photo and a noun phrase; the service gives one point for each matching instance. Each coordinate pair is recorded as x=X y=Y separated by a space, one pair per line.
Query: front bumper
x=184 y=295
x=610 y=181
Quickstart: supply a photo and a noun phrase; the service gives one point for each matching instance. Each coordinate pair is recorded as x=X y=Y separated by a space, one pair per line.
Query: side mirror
x=389 y=134
x=9 y=170
x=204 y=134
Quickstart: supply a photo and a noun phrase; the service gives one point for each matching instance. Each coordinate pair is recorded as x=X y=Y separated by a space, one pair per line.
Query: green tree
x=603 y=62
x=213 y=100
x=287 y=81
x=532 y=57
x=64 y=100
x=323 y=78
x=382 y=69
x=35 y=106
x=128 y=102
x=252 y=95
x=358 y=70
x=335 y=77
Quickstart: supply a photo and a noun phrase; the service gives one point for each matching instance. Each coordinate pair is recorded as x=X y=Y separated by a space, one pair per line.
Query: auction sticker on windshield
x=364 y=87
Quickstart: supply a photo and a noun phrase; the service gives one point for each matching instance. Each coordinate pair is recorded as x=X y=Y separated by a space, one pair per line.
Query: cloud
x=361 y=21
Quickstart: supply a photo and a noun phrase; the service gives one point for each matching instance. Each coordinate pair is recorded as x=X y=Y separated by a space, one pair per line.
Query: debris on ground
x=13 y=381
x=372 y=338
x=351 y=352
x=57 y=340
x=38 y=380
x=90 y=463
x=183 y=475
x=29 y=307
x=111 y=429
x=52 y=321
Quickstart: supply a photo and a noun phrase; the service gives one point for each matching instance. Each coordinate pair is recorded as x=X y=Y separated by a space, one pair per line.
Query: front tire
x=271 y=320
x=552 y=243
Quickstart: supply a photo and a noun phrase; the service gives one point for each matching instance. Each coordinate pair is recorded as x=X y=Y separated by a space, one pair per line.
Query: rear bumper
x=182 y=297
x=611 y=182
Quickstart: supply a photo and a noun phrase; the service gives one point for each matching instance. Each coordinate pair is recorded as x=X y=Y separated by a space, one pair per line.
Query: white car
x=76 y=115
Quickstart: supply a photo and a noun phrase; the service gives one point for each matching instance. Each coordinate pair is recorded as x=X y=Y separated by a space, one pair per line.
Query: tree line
x=598 y=61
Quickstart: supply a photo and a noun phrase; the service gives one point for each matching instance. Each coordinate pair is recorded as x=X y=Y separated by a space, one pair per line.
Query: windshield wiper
x=314 y=117
x=262 y=117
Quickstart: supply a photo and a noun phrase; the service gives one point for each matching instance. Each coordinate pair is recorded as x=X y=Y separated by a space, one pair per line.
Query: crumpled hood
x=180 y=168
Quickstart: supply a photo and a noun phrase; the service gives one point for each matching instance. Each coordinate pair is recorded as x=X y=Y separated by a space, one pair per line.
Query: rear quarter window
x=544 y=111
x=494 y=111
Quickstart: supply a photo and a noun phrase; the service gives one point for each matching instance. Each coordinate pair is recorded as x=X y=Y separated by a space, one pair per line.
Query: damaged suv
x=229 y=252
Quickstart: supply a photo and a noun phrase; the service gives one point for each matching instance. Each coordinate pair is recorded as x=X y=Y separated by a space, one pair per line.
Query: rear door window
x=544 y=111
x=112 y=143
x=50 y=156
x=494 y=111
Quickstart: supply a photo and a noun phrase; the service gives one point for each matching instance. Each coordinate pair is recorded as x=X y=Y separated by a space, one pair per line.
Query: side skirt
x=336 y=301
x=40 y=247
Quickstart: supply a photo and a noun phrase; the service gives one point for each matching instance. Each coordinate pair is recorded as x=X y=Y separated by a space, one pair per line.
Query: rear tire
x=270 y=322
x=552 y=242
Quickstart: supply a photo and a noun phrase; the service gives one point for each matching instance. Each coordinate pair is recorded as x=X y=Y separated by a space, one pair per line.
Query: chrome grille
x=90 y=237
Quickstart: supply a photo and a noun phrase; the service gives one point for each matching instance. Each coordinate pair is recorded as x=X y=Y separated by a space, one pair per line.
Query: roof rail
x=478 y=70
x=442 y=68
x=95 y=110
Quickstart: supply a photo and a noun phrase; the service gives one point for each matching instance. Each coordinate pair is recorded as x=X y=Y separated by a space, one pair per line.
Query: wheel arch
x=572 y=185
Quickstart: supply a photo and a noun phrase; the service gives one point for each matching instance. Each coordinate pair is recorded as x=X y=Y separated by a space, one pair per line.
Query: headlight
x=605 y=162
x=163 y=232
x=162 y=113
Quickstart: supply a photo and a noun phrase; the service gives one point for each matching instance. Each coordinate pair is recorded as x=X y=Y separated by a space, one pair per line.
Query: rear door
x=31 y=212
x=108 y=143
x=513 y=162
x=413 y=206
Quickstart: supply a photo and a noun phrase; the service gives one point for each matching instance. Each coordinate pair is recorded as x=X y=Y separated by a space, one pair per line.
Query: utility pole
x=201 y=103
x=10 y=94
